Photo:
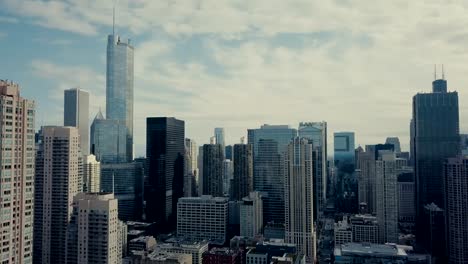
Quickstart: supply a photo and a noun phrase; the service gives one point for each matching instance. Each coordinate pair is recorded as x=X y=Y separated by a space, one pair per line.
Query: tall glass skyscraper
x=435 y=137
x=344 y=147
x=165 y=149
x=119 y=87
x=317 y=132
x=108 y=140
x=269 y=146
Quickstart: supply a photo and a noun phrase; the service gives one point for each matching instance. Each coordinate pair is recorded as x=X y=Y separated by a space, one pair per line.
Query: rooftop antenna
x=435 y=72
x=443 y=74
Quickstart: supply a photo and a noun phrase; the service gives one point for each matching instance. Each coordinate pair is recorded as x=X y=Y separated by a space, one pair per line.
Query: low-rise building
x=343 y=232
x=351 y=253
x=222 y=255
x=364 y=228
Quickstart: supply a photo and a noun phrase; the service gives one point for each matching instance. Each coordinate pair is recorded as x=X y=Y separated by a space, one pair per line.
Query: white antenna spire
x=435 y=72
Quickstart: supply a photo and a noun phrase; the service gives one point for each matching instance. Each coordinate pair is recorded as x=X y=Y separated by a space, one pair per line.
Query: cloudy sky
x=238 y=64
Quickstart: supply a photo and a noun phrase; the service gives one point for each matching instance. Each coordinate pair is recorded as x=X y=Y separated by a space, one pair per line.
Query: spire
x=435 y=72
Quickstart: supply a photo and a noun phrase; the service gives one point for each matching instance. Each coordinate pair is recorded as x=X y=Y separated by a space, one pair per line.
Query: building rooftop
x=377 y=250
x=204 y=199
x=144 y=239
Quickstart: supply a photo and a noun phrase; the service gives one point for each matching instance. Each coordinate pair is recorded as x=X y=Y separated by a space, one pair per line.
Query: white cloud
x=358 y=68
x=66 y=77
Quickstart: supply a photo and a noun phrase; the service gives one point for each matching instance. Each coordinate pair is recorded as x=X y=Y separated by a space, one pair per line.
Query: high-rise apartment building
x=387 y=196
x=243 y=171
x=165 y=148
x=125 y=181
x=456 y=209
x=119 y=87
x=108 y=140
x=76 y=113
x=16 y=175
x=91 y=174
x=202 y=218
x=435 y=137
x=213 y=159
x=299 y=196
x=251 y=215
x=269 y=144
x=94 y=230
x=317 y=132
x=58 y=180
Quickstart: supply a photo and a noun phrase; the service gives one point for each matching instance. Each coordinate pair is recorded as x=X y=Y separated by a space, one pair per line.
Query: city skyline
x=188 y=70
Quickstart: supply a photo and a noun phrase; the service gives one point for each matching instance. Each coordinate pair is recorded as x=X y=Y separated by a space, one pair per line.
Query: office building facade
x=387 y=197
x=165 y=149
x=299 y=196
x=269 y=144
x=344 y=148
x=76 y=114
x=213 y=159
x=16 y=175
x=456 y=209
x=202 y=218
x=251 y=215
x=317 y=132
x=125 y=180
x=58 y=180
x=119 y=88
x=108 y=140
x=243 y=171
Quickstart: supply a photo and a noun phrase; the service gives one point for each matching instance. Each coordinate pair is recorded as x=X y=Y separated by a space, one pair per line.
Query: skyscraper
x=219 y=137
x=213 y=159
x=344 y=148
x=243 y=171
x=299 y=196
x=317 y=132
x=269 y=145
x=76 y=113
x=387 y=196
x=395 y=141
x=16 y=175
x=228 y=171
x=91 y=174
x=165 y=148
x=435 y=138
x=456 y=209
x=94 y=230
x=119 y=87
x=57 y=181
x=192 y=148
x=366 y=180
x=108 y=140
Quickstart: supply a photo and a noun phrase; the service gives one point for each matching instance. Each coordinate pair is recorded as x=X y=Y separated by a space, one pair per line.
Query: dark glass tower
x=243 y=171
x=213 y=157
x=165 y=148
x=435 y=137
x=270 y=143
